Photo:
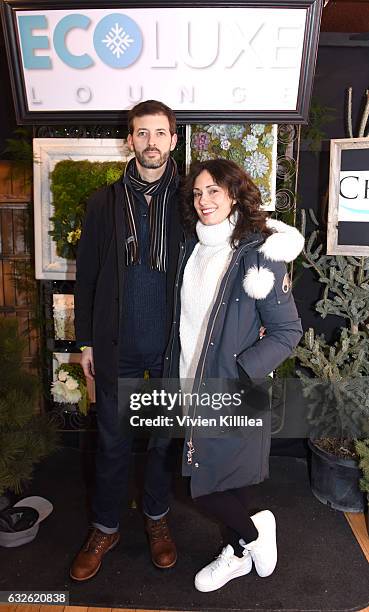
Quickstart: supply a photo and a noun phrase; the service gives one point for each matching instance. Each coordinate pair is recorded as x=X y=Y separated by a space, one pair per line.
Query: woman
x=231 y=281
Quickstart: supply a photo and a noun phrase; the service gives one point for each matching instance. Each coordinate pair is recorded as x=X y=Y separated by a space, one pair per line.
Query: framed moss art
x=66 y=172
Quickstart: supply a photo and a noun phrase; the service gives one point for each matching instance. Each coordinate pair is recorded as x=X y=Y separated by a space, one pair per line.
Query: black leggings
x=230 y=509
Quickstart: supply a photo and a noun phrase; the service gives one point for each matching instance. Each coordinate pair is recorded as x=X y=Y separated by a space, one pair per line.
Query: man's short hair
x=152 y=107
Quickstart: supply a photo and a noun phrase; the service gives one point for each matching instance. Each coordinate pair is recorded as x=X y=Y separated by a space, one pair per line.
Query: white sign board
x=348 y=210
x=353 y=203
x=192 y=58
x=239 y=60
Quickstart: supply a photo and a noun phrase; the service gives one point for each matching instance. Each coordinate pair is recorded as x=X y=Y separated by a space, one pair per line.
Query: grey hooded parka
x=255 y=291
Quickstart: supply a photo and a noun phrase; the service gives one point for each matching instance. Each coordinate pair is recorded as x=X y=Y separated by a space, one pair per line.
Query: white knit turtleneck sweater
x=201 y=280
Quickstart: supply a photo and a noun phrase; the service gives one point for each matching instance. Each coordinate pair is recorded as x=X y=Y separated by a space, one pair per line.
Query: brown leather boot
x=88 y=561
x=163 y=548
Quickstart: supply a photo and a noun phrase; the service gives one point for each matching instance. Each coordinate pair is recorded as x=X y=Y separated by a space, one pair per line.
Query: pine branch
x=25 y=437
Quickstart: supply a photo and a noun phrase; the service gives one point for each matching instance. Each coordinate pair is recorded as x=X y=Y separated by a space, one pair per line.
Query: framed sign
x=89 y=62
x=348 y=212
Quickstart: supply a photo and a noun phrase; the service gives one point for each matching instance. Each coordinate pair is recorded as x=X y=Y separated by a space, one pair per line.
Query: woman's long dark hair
x=239 y=186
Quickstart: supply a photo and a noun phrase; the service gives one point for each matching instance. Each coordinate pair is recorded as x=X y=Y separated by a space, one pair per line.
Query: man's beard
x=152 y=163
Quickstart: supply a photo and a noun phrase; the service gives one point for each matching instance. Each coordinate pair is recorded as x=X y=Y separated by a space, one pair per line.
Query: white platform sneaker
x=223 y=569
x=263 y=551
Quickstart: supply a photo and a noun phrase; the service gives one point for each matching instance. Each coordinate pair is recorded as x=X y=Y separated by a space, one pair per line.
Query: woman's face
x=211 y=201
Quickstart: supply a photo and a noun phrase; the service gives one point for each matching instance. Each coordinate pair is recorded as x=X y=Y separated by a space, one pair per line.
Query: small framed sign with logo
x=348 y=212
x=90 y=61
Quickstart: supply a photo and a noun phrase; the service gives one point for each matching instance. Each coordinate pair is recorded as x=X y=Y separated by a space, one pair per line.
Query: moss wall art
x=72 y=182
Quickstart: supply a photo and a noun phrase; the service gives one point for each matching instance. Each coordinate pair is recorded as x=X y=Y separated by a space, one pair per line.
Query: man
x=126 y=264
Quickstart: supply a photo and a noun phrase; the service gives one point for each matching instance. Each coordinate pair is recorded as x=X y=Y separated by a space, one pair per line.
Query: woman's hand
x=87 y=362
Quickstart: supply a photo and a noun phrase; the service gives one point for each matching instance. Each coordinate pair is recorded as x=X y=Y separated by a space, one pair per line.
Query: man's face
x=151 y=140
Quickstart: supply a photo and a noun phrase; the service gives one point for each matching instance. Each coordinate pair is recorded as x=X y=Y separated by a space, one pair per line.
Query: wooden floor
x=356 y=522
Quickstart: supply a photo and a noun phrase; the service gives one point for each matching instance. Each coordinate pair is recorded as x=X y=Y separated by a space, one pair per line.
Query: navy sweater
x=143 y=318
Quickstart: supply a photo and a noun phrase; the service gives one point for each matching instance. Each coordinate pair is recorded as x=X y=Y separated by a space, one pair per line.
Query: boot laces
x=96 y=541
x=159 y=530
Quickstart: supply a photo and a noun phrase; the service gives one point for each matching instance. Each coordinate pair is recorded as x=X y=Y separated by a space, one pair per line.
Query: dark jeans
x=113 y=458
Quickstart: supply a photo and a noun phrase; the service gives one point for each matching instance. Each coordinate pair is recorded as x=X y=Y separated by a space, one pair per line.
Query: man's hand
x=87 y=362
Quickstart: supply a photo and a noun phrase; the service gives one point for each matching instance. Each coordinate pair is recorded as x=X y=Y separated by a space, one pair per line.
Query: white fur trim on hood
x=284 y=244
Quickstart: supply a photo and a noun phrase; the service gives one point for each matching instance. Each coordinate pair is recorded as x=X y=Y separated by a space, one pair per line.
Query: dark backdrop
x=338 y=67
x=7 y=115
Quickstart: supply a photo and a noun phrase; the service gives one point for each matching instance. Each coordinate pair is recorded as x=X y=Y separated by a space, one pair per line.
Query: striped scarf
x=160 y=191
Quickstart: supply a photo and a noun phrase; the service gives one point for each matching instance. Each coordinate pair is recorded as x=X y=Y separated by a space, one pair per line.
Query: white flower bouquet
x=70 y=386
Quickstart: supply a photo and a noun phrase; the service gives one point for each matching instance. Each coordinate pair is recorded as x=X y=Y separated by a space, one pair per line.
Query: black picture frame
x=84 y=117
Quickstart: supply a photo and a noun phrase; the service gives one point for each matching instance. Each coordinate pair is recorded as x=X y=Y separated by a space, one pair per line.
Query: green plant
x=287 y=369
x=362 y=450
x=72 y=182
x=338 y=398
x=313 y=132
x=26 y=437
x=19 y=148
x=342 y=367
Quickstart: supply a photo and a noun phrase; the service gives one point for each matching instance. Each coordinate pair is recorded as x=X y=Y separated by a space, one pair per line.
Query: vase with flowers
x=70 y=387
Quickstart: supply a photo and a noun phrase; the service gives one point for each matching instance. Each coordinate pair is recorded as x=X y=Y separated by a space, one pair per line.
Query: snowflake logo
x=117 y=40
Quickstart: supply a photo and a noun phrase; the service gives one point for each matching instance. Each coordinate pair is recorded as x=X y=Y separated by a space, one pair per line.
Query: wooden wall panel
x=7 y=232
x=15 y=182
x=9 y=284
x=19 y=232
x=17 y=289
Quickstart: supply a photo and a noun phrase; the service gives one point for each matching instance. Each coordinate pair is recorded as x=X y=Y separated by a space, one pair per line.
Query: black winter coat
x=232 y=342
x=99 y=278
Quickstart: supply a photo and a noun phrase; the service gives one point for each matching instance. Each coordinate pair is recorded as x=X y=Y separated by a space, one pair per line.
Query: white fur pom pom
x=258 y=282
